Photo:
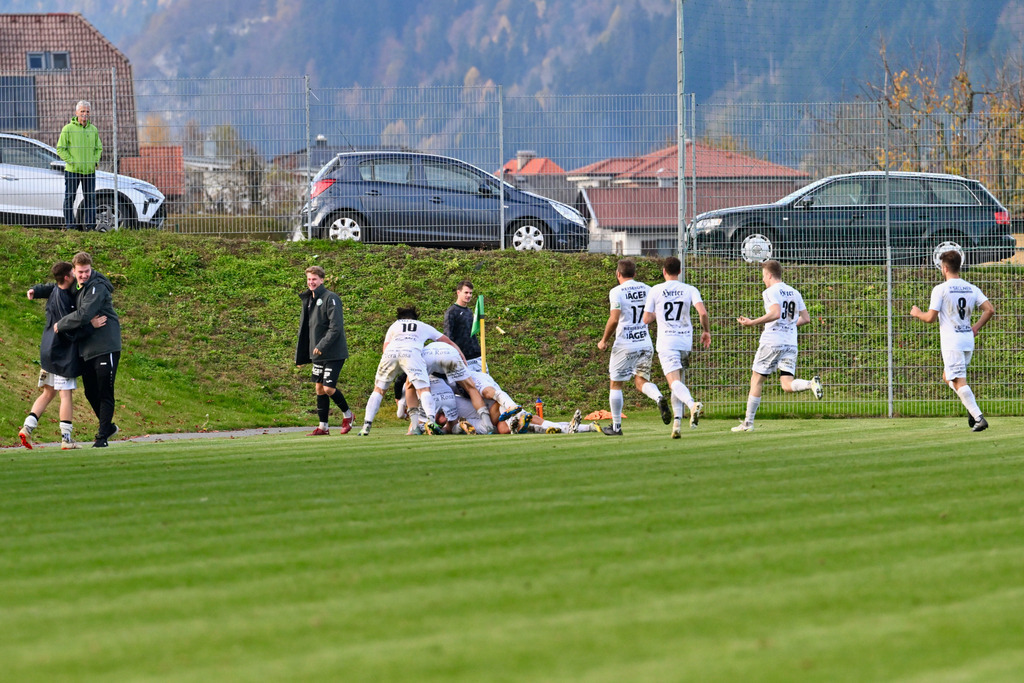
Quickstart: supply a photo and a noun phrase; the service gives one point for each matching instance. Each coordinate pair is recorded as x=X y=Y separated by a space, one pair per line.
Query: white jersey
x=955 y=300
x=409 y=334
x=670 y=302
x=444 y=359
x=782 y=331
x=444 y=398
x=629 y=299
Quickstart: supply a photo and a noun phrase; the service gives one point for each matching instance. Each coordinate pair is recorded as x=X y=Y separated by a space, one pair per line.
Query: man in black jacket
x=322 y=342
x=101 y=350
x=458 y=325
x=58 y=355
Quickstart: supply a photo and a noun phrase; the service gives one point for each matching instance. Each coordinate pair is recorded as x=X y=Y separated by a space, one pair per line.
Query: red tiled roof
x=535 y=166
x=710 y=163
x=162 y=165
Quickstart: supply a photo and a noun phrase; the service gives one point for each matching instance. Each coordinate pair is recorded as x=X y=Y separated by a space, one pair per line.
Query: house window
x=49 y=61
x=18 y=103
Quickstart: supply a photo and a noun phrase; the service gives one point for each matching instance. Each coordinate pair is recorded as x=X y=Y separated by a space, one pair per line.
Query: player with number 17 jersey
x=629 y=299
x=782 y=331
x=670 y=302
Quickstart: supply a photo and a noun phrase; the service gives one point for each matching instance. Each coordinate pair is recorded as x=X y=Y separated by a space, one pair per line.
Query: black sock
x=339 y=400
x=323 y=407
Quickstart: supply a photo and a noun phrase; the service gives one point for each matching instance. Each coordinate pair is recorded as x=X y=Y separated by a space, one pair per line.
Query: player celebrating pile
x=952 y=303
x=784 y=312
x=403 y=352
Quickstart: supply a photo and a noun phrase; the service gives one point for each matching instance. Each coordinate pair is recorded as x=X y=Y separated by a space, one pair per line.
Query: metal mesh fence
x=853 y=198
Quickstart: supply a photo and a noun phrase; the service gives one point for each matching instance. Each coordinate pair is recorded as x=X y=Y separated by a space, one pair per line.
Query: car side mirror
x=58 y=165
x=485 y=189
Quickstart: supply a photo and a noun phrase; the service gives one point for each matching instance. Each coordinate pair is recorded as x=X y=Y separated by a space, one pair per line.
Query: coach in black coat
x=322 y=342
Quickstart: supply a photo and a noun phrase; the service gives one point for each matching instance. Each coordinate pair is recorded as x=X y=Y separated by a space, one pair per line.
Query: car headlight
x=569 y=213
x=706 y=224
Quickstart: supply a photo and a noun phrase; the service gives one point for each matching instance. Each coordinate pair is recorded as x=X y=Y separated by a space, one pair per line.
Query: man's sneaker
x=677 y=430
x=523 y=421
x=346 y=425
x=68 y=444
x=612 y=430
x=817 y=387
x=434 y=428
x=743 y=427
x=666 y=410
x=552 y=430
x=114 y=429
x=25 y=433
x=970 y=421
x=574 y=423
x=320 y=432
x=415 y=428
x=99 y=443
x=510 y=413
x=695 y=413
x=466 y=427
x=365 y=431
x=980 y=425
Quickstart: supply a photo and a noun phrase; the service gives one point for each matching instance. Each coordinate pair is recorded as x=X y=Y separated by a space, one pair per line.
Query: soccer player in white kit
x=632 y=350
x=952 y=303
x=784 y=312
x=669 y=304
x=447 y=360
x=403 y=352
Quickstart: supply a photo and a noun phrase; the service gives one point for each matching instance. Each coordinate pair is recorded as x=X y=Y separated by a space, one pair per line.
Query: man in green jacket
x=80 y=148
x=322 y=342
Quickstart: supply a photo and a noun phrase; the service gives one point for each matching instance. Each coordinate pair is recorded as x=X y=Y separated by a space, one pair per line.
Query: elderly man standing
x=80 y=147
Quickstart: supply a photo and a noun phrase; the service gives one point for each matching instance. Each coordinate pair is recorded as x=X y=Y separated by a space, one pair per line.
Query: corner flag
x=478 y=329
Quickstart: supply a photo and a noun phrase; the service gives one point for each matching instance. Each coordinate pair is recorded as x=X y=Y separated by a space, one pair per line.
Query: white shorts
x=444 y=400
x=624 y=364
x=772 y=358
x=48 y=379
x=955 y=363
x=455 y=370
x=482 y=380
x=393 y=363
x=475 y=364
x=673 y=360
x=464 y=409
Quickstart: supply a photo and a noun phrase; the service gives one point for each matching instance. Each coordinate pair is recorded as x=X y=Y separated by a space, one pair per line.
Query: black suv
x=843 y=219
x=431 y=200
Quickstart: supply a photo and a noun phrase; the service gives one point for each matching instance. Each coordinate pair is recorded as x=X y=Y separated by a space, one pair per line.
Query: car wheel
x=105 y=215
x=529 y=236
x=345 y=226
x=756 y=245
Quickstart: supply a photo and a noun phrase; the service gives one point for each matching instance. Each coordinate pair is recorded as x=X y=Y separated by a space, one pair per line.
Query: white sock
x=677 y=408
x=800 y=385
x=753 y=403
x=400 y=409
x=65 y=430
x=373 y=405
x=615 y=403
x=323 y=426
x=967 y=398
x=347 y=414
x=650 y=389
x=429 y=409
x=31 y=422
x=586 y=428
x=680 y=391
x=504 y=401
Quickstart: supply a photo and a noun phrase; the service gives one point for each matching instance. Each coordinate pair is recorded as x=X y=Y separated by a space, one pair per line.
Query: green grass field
x=809 y=550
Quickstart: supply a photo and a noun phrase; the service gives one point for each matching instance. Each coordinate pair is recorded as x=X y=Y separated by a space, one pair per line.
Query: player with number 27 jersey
x=781 y=332
x=670 y=302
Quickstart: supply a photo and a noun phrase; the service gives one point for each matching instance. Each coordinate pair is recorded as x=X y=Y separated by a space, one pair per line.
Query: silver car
x=32 y=190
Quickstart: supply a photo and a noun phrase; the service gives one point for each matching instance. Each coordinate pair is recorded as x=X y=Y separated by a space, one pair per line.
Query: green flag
x=478 y=315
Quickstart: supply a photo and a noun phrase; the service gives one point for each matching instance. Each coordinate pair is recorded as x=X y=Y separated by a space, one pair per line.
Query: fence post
x=501 y=164
x=681 y=140
x=305 y=214
x=115 y=205
x=888 y=273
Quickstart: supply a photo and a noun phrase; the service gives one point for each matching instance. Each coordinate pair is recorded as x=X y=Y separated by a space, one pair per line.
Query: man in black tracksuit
x=458 y=325
x=322 y=342
x=101 y=350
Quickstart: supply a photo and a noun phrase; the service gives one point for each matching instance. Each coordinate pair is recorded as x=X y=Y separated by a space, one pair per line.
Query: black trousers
x=98 y=375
